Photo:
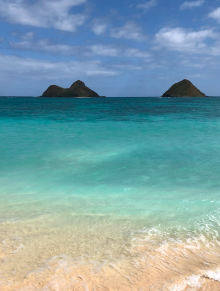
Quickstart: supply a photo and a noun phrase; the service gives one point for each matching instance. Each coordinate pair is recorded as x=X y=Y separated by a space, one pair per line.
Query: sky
x=119 y=48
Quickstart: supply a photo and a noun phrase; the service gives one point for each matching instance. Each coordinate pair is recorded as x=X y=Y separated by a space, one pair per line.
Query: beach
x=109 y=194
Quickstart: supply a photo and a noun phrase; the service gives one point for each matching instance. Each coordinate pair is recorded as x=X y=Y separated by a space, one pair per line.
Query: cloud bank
x=147 y=5
x=215 y=14
x=45 y=46
x=191 y=4
x=43 y=13
x=183 y=40
x=129 y=31
x=51 y=70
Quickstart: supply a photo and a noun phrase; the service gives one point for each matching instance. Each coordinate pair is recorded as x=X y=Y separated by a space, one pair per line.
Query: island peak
x=183 y=88
x=78 y=83
x=77 y=89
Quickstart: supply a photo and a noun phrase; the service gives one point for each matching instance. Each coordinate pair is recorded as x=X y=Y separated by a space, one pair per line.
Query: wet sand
x=39 y=256
x=59 y=274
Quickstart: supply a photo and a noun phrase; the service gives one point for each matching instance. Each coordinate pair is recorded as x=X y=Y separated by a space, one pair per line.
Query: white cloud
x=135 y=53
x=215 y=49
x=129 y=31
x=180 y=39
x=129 y=67
x=99 y=27
x=103 y=50
x=147 y=5
x=191 y=64
x=45 y=46
x=42 y=69
x=115 y=51
x=42 y=13
x=215 y=14
x=191 y=4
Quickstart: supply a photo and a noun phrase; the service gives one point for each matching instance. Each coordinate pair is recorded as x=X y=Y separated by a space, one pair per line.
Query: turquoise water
x=135 y=164
x=132 y=157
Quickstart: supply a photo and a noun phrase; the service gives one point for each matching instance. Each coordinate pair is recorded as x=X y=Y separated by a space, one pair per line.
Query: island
x=183 y=89
x=78 y=89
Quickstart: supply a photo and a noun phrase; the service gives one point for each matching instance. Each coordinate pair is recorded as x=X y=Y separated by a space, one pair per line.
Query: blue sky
x=118 y=48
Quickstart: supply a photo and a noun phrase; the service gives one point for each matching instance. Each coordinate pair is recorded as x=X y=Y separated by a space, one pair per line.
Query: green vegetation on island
x=183 y=89
x=78 y=89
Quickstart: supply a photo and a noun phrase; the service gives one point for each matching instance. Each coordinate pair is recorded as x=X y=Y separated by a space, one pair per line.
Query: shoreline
x=63 y=273
x=147 y=262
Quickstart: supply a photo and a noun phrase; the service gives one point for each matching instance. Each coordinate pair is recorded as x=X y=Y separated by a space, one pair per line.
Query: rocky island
x=78 y=89
x=183 y=89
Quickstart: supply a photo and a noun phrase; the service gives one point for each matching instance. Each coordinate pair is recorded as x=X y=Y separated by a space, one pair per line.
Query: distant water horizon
x=105 y=97
x=109 y=194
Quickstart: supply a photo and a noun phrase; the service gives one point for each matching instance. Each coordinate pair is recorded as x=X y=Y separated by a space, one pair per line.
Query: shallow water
x=123 y=193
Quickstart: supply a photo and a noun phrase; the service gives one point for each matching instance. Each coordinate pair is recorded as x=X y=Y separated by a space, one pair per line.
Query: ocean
x=109 y=194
